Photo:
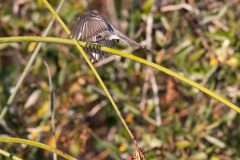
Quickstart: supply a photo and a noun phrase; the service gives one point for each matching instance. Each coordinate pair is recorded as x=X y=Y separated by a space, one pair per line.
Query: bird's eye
x=99 y=38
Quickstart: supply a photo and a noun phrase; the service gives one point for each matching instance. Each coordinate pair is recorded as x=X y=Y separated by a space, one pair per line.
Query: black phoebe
x=92 y=27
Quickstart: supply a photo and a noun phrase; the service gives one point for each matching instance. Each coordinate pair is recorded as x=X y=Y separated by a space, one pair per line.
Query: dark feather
x=88 y=25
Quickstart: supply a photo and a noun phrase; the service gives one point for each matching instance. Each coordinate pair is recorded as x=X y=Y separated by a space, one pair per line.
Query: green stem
x=126 y=55
x=92 y=68
x=18 y=39
x=36 y=144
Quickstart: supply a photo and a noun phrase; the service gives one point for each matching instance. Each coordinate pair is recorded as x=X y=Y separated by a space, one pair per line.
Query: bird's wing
x=88 y=25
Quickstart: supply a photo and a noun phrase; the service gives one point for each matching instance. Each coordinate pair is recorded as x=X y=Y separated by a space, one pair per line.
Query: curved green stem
x=18 y=39
x=36 y=144
x=126 y=55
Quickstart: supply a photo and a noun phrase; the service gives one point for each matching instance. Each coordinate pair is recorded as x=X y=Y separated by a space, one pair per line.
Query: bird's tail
x=129 y=40
x=125 y=38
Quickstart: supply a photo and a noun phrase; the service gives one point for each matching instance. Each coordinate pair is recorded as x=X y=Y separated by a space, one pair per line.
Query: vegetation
x=169 y=118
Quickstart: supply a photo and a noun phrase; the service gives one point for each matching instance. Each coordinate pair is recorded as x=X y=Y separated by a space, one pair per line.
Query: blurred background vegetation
x=171 y=120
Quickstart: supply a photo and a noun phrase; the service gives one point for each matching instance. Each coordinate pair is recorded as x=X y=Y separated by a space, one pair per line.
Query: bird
x=91 y=27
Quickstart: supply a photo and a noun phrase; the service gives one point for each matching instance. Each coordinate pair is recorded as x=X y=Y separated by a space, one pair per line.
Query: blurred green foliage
x=199 y=39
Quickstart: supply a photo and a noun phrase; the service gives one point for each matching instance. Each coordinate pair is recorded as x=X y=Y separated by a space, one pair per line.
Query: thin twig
x=170 y=8
x=97 y=108
x=144 y=92
x=150 y=71
x=52 y=109
x=156 y=99
x=105 y=61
